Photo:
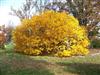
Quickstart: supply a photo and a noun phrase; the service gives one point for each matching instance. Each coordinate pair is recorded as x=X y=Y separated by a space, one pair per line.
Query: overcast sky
x=5 y=8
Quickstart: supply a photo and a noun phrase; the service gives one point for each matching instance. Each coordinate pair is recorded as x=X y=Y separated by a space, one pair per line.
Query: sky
x=5 y=8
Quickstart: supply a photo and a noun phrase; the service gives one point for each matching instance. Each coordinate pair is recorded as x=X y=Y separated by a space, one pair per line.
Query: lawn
x=12 y=63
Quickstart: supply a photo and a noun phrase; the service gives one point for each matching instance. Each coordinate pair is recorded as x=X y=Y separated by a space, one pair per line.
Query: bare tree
x=29 y=8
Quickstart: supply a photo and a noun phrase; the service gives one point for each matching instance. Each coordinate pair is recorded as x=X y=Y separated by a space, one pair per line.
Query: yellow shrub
x=51 y=33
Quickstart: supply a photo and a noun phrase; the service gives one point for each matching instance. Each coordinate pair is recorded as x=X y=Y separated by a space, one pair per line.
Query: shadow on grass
x=4 y=51
x=16 y=64
x=81 y=68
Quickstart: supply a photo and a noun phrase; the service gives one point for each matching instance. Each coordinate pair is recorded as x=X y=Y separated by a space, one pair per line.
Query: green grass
x=12 y=63
x=9 y=46
x=89 y=65
x=15 y=64
x=82 y=68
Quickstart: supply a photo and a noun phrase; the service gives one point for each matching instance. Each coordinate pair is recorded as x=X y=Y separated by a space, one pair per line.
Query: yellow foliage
x=52 y=32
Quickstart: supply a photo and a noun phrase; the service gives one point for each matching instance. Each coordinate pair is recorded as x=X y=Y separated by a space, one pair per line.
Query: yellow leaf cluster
x=51 y=32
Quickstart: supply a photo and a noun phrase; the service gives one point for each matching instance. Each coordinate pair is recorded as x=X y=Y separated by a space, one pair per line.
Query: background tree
x=9 y=30
x=2 y=36
x=6 y=34
x=29 y=8
x=87 y=12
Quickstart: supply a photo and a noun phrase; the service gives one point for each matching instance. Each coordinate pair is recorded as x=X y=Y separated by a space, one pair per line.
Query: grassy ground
x=17 y=64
